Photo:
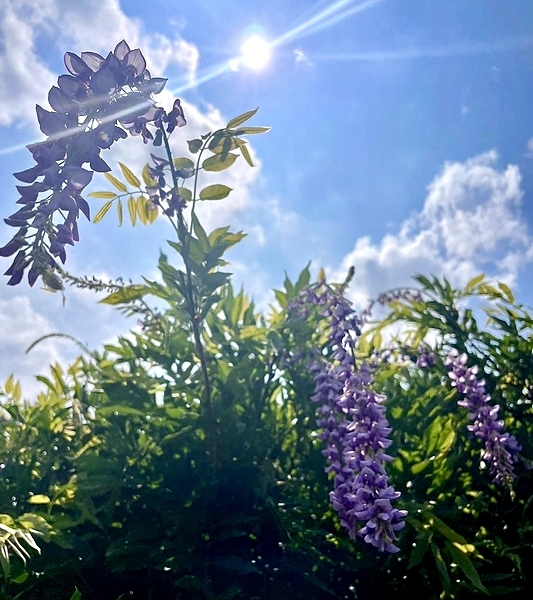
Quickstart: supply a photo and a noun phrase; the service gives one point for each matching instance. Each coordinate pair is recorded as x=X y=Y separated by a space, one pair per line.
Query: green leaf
x=132 y=209
x=446 y=531
x=185 y=193
x=219 y=162
x=119 y=212
x=441 y=568
x=116 y=182
x=460 y=556
x=126 y=294
x=222 y=143
x=183 y=163
x=121 y=410
x=244 y=151
x=102 y=212
x=195 y=145
x=200 y=233
x=129 y=176
x=21 y=578
x=103 y=195
x=422 y=545
x=39 y=499
x=76 y=595
x=215 y=192
x=216 y=234
x=236 y=121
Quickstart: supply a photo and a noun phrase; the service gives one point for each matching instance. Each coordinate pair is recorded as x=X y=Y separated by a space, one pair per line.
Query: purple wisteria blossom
x=354 y=428
x=99 y=101
x=501 y=448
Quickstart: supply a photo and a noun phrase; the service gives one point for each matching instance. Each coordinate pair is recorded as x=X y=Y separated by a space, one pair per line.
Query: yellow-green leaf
x=141 y=211
x=102 y=212
x=125 y=294
x=235 y=122
x=185 y=193
x=116 y=182
x=507 y=291
x=9 y=384
x=473 y=282
x=183 y=163
x=244 y=151
x=151 y=212
x=252 y=130
x=132 y=209
x=219 y=162
x=39 y=499
x=146 y=175
x=222 y=144
x=103 y=195
x=194 y=145
x=119 y=212
x=129 y=176
x=215 y=192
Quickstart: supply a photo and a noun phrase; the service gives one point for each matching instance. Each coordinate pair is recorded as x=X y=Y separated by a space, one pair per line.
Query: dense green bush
x=185 y=460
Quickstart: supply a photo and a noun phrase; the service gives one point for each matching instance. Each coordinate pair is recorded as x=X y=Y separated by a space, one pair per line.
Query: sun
x=255 y=53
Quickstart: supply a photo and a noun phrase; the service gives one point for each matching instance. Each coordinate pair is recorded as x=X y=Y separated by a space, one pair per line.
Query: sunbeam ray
x=324 y=18
x=455 y=50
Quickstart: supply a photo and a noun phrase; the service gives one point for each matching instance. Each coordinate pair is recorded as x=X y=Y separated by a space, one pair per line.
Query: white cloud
x=470 y=222
x=301 y=57
x=98 y=26
x=74 y=26
x=20 y=326
x=529 y=148
x=25 y=78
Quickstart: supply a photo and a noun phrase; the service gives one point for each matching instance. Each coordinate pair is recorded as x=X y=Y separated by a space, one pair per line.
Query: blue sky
x=401 y=142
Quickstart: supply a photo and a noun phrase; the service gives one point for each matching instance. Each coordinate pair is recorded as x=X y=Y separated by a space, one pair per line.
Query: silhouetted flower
x=95 y=104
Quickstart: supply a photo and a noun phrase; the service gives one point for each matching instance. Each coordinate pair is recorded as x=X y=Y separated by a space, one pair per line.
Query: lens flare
x=255 y=53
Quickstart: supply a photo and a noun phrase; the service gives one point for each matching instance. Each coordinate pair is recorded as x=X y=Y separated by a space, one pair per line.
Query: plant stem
x=189 y=297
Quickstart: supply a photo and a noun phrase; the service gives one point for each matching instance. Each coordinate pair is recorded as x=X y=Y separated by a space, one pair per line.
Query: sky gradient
x=401 y=143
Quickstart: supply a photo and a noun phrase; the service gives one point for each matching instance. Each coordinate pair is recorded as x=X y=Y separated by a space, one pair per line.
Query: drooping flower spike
x=99 y=101
x=500 y=448
x=354 y=427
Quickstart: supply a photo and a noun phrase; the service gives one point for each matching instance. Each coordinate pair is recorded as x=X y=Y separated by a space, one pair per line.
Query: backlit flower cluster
x=99 y=101
x=500 y=448
x=354 y=428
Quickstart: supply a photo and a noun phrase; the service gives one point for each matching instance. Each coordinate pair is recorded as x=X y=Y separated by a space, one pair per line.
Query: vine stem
x=189 y=296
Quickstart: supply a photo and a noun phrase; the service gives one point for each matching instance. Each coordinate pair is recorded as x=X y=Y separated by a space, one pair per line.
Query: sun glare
x=255 y=52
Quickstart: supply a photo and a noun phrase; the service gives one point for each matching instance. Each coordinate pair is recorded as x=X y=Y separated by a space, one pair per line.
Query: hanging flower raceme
x=354 y=427
x=501 y=448
x=95 y=104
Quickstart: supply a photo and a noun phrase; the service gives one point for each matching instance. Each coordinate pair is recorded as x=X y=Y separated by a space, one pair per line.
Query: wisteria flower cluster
x=99 y=101
x=387 y=298
x=501 y=448
x=354 y=427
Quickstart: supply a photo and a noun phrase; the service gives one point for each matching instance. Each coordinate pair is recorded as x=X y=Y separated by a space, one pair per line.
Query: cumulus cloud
x=20 y=326
x=25 y=78
x=470 y=223
x=81 y=25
